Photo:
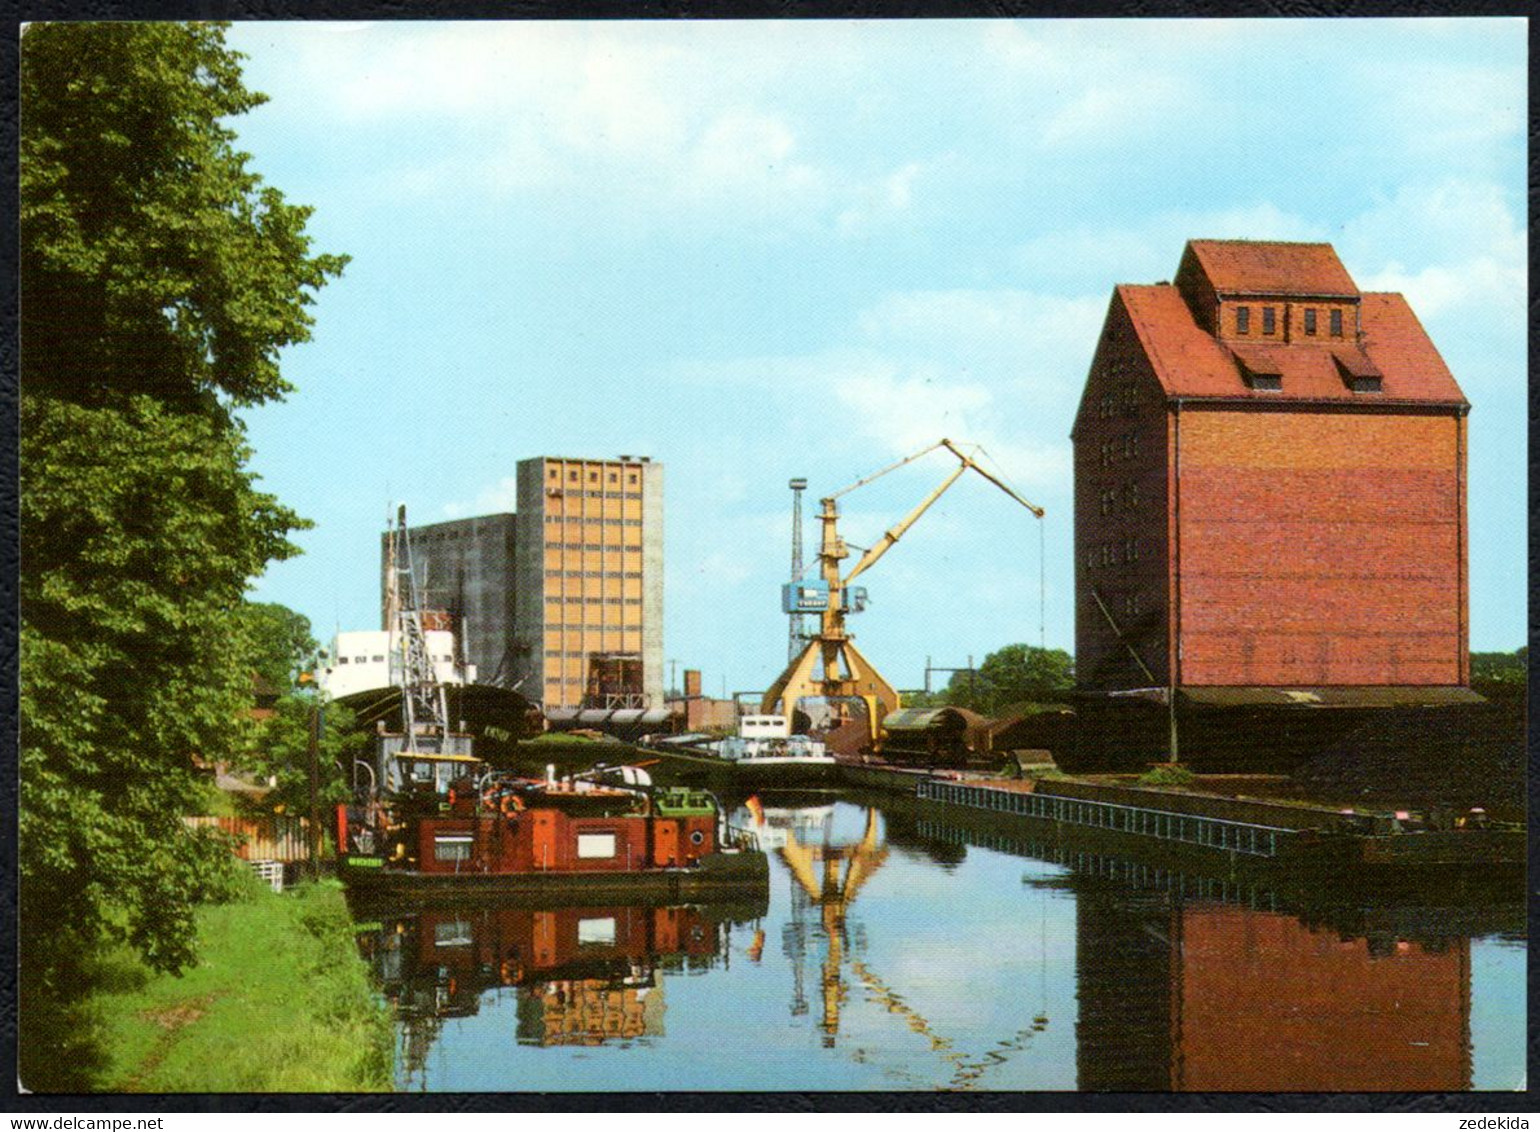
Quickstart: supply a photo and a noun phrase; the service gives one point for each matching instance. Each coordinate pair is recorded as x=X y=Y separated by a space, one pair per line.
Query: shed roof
x=920 y=719
x=1272 y=267
x=1191 y=363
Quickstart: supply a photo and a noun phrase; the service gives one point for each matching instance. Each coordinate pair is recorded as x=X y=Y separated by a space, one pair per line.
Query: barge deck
x=1238 y=828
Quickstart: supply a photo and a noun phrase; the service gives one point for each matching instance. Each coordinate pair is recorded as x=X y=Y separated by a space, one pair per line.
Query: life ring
x=511 y=805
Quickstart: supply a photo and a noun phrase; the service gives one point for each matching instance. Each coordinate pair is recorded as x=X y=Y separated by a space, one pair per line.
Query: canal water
x=895 y=950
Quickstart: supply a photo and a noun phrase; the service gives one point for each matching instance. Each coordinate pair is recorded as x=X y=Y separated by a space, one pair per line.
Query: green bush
x=1168 y=774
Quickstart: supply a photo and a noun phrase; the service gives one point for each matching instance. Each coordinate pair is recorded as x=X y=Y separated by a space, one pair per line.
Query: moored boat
x=471 y=831
x=765 y=753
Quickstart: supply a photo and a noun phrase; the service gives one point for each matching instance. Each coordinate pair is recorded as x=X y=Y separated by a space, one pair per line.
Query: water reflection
x=1216 y=997
x=582 y=975
x=827 y=877
x=914 y=953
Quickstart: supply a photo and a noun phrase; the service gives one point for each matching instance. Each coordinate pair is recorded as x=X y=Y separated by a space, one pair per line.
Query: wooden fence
x=276 y=838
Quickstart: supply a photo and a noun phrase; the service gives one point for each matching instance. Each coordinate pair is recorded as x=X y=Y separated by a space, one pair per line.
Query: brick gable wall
x=1121 y=533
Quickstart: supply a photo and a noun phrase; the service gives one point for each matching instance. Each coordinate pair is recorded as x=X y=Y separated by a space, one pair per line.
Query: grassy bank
x=279 y=1002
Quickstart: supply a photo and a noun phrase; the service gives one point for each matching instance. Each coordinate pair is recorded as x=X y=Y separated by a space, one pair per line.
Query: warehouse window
x=1336 y=324
x=1269 y=321
x=553 y=473
x=572 y=475
x=1243 y=320
x=1310 y=322
x=631 y=478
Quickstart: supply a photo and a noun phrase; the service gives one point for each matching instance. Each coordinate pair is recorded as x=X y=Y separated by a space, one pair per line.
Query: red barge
x=610 y=833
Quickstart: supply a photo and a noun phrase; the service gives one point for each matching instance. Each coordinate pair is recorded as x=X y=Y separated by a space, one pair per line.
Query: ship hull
x=718 y=876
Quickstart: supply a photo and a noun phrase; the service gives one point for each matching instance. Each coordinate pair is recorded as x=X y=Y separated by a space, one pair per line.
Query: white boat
x=765 y=748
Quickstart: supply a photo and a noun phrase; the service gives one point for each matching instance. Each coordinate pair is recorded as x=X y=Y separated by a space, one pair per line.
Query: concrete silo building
x=588 y=582
x=562 y=600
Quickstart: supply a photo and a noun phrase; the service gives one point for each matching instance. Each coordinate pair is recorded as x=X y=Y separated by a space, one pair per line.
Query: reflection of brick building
x=1267 y=1004
x=1213 y=997
x=1269 y=483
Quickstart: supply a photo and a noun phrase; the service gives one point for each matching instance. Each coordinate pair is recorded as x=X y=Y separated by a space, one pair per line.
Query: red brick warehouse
x=1269 y=492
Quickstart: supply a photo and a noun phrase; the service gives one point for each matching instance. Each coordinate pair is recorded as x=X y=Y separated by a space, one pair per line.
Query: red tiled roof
x=1190 y=362
x=1272 y=268
x=1395 y=340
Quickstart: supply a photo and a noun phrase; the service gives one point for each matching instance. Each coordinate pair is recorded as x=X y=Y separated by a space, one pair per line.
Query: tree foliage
x=1500 y=675
x=159 y=281
x=281 y=650
x=1012 y=675
x=281 y=647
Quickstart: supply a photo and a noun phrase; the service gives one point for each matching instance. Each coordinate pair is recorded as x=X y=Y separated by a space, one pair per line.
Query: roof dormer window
x=1359 y=374
x=1336 y=323
x=1269 y=320
x=1259 y=379
x=1243 y=320
x=1310 y=321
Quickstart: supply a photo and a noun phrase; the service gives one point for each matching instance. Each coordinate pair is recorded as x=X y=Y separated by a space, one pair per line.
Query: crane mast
x=830 y=666
x=424 y=709
x=796 y=634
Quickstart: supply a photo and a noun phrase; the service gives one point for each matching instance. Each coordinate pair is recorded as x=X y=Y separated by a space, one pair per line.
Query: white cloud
x=654 y=119
x=1449 y=111
x=879 y=201
x=494 y=499
x=1130 y=105
x=1149 y=251
x=1447 y=245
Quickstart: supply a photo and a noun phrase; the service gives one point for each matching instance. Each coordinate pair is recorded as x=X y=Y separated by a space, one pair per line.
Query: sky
x=759 y=250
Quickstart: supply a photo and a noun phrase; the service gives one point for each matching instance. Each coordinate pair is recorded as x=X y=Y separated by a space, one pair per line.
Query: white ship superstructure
x=368 y=659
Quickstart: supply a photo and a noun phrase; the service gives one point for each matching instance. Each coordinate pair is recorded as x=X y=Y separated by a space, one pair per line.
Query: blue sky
x=761 y=250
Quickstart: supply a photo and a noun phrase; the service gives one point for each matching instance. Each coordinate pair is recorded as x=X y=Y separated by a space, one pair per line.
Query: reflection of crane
x=819 y=881
x=816 y=869
x=831 y=666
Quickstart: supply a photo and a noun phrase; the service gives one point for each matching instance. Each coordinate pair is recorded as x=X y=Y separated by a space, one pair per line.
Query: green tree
x=159 y=281
x=1500 y=675
x=281 y=751
x=281 y=650
x=1012 y=675
x=281 y=646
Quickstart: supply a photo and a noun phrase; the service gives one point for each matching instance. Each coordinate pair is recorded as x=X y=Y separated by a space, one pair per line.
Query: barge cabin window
x=452 y=847
x=593 y=845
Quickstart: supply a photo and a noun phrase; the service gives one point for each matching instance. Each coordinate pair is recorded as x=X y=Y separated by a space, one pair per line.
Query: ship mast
x=424 y=709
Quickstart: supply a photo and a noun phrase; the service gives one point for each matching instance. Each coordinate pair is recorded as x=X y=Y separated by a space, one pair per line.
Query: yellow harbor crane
x=831 y=666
